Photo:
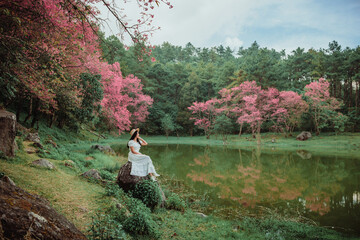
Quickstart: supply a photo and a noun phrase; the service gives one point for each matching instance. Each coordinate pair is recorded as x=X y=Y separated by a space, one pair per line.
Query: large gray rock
x=8 y=180
x=33 y=137
x=104 y=149
x=7 y=133
x=92 y=173
x=127 y=181
x=303 y=136
x=24 y=214
x=43 y=163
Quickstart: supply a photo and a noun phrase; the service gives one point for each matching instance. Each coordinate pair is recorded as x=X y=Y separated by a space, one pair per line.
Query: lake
x=323 y=188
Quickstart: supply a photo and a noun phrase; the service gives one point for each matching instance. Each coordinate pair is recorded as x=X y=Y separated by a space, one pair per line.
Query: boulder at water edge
x=28 y=216
x=303 y=136
x=7 y=133
x=125 y=180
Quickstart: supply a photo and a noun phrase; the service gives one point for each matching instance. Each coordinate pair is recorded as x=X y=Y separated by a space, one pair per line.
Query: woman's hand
x=144 y=142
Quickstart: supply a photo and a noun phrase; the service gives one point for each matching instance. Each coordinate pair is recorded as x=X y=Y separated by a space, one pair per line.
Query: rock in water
x=7 y=133
x=25 y=214
x=127 y=181
x=303 y=136
x=303 y=154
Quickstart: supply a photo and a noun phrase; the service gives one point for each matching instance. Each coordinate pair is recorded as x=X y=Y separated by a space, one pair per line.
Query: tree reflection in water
x=323 y=188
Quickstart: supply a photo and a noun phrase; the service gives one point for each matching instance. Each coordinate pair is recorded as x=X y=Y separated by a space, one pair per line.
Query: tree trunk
x=240 y=130
x=258 y=136
x=52 y=119
x=357 y=97
x=29 y=112
x=18 y=111
x=35 y=113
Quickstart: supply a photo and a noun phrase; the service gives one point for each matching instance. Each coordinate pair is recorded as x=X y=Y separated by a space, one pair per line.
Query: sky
x=277 y=24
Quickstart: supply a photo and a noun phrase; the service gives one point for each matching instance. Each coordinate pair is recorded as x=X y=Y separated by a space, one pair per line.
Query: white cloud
x=233 y=43
x=272 y=23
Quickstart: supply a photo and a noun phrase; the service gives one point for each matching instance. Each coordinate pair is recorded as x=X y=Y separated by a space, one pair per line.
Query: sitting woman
x=141 y=165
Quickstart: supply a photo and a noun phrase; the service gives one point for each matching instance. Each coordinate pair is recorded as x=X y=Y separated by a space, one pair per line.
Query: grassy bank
x=83 y=201
x=345 y=144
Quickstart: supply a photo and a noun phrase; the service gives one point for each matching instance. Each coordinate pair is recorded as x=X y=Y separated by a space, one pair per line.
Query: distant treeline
x=183 y=75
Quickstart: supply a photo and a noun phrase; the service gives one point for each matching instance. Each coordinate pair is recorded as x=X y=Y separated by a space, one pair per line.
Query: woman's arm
x=143 y=141
x=133 y=151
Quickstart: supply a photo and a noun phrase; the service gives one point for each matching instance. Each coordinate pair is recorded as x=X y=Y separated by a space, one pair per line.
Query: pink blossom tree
x=233 y=102
x=124 y=103
x=291 y=108
x=323 y=108
x=204 y=115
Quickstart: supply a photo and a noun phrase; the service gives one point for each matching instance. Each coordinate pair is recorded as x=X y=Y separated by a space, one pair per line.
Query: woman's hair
x=133 y=137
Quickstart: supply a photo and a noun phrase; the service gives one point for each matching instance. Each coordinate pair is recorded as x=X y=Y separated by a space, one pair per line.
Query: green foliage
x=106 y=175
x=223 y=125
x=167 y=124
x=279 y=229
x=3 y=156
x=140 y=221
x=134 y=215
x=148 y=192
x=7 y=87
x=142 y=224
x=20 y=144
x=92 y=94
x=104 y=227
x=353 y=123
x=113 y=190
x=175 y=202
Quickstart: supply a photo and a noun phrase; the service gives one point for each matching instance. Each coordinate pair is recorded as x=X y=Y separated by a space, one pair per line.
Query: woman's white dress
x=141 y=165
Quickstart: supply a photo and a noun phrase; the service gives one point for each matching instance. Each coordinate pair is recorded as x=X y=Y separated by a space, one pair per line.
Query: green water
x=323 y=188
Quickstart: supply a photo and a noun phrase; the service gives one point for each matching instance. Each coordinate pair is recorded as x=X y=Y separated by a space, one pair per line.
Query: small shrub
x=113 y=168
x=3 y=156
x=106 y=175
x=20 y=144
x=104 y=227
x=148 y=192
x=113 y=190
x=175 y=202
x=92 y=151
x=142 y=224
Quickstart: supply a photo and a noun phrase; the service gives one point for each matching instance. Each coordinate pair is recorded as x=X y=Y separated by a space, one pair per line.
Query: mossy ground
x=79 y=199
